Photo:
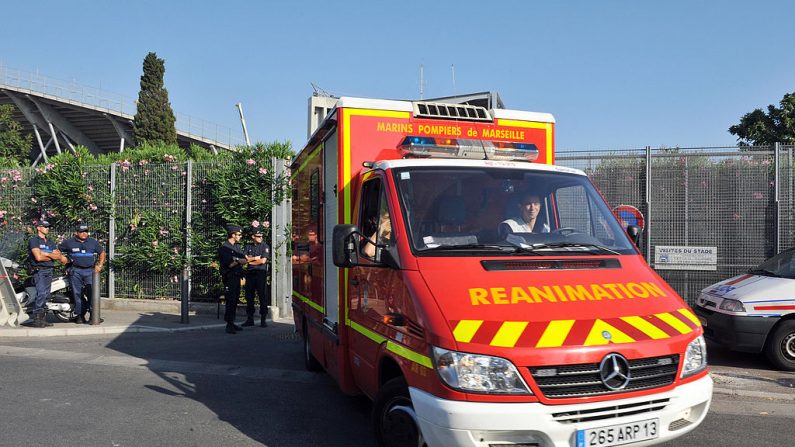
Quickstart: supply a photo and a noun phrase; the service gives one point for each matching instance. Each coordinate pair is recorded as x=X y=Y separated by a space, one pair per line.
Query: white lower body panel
x=448 y=423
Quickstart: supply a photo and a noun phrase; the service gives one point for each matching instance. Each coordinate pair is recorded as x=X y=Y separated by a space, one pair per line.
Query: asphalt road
x=206 y=388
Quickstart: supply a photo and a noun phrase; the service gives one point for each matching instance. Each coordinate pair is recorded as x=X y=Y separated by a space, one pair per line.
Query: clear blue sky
x=616 y=74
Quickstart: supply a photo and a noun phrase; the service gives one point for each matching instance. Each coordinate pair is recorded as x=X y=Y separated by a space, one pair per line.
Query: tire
x=64 y=317
x=394 y=420
x=780 y=347
x=310 y=362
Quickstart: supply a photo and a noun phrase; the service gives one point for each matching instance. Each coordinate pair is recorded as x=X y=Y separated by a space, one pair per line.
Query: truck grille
x=609 y=412
x=442 y=110
x=566 y=381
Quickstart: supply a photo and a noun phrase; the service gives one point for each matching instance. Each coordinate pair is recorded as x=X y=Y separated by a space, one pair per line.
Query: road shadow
x=254 y=381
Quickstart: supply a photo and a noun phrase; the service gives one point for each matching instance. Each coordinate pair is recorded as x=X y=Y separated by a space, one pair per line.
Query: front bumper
x=736 y=332
x=446 y=423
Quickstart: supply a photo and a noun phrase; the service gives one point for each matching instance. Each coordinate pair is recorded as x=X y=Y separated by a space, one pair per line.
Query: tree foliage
x=154 y=120
x=14 y=143
x=777 y=125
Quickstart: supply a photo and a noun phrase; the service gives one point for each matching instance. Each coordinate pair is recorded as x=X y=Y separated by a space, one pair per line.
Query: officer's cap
x=43 y=223
x=81 y=227
x=256 y=231
x=233 y=229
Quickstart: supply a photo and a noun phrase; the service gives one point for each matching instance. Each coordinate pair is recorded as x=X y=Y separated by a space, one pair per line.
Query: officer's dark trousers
x=81 y=280
x=231 y=295
x=42 y=279
x=257 y=281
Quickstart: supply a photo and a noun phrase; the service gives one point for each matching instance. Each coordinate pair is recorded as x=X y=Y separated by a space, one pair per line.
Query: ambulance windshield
x=466 y=210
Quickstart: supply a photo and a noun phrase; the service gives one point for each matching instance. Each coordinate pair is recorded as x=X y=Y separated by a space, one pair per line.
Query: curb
x=99 y=330
x=756 y=394
x=22 y=331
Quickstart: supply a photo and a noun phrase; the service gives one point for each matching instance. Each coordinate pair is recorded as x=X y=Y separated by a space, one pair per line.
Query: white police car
x=755 y=311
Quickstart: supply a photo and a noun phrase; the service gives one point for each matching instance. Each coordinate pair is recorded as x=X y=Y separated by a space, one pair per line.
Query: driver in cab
x=526 y=219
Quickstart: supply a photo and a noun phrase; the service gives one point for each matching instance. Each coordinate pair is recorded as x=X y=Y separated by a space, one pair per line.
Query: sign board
x=629 y=215
x=668 y=257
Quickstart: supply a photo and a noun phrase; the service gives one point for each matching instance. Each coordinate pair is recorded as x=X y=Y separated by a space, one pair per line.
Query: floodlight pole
x=243 y=122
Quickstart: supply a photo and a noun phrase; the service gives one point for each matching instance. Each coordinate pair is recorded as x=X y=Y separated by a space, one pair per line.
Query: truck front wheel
x=781 y=346
x=394 y=419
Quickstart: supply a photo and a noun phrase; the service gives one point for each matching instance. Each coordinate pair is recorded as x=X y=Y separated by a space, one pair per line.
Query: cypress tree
x=154 y=120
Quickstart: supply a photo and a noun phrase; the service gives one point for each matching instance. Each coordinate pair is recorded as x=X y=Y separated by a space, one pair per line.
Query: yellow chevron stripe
x=466 y=329
x=509 y=333
x=596 y=336
x=687 y=313
x=647 y=328
x=555 y=334
x=674 y=322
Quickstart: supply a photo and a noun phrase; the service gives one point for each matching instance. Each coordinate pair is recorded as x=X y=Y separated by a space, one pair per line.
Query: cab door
x=370 y=282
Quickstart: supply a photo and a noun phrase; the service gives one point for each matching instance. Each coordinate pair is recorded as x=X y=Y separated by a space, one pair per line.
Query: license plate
x=703 y=321
x=619 y=434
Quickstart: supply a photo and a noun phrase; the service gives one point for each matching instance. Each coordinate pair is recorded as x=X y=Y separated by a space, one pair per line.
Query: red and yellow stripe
x=557 y=333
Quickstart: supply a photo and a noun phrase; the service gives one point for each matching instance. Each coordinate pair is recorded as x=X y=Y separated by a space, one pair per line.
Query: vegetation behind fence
x=138 y=205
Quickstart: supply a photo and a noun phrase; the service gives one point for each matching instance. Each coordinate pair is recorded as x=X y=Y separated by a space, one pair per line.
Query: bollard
x=95 y=311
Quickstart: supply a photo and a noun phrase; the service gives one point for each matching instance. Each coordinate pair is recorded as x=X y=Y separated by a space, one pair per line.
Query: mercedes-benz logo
x=614 y=371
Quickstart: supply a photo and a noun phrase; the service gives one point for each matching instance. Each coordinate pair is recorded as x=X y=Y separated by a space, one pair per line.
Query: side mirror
x=634 y=232
x=343 y=248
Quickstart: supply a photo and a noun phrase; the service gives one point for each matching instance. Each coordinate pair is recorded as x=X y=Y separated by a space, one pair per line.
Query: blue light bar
x=429 y=147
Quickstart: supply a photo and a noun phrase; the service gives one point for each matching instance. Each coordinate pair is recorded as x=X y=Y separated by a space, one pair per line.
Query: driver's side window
x=374 y=219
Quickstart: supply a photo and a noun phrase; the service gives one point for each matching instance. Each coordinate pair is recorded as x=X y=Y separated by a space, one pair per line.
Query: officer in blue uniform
x=42 y=252
x=258 y=255
x=231 y=260
x=86 y=256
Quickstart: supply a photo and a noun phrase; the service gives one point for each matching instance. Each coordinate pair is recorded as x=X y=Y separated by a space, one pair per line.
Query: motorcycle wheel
x=64 y=317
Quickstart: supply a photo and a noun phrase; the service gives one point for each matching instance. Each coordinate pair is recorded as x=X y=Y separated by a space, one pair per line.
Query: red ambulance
x=480 y=295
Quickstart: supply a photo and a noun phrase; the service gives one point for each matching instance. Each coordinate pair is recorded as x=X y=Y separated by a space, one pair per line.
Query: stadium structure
x=62 y=115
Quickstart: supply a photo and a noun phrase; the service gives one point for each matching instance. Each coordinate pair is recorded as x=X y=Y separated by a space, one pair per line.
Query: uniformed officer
x=231 y=260
x=86 y=256
x=42 y=252
x=258 y=255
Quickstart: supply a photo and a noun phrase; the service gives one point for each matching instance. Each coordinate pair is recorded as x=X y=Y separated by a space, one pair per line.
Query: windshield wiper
x=554 y=245
x=764 y=272
x=485 y=247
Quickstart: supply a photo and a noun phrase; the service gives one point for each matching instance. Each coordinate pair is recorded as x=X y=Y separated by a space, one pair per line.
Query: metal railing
x=739 y=200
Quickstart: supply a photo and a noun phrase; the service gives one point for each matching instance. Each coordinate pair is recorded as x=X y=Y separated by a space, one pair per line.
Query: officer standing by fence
x=86 y=256
x=42 y=252
x=231 y=260
x=258 y=254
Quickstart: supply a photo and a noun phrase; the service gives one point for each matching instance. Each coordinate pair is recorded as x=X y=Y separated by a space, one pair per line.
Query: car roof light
x=509 y=150
x=428 y=147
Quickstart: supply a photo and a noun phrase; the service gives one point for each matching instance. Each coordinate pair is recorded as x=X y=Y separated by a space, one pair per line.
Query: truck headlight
x=732 y=305
x=478 y=373
x=695 y=357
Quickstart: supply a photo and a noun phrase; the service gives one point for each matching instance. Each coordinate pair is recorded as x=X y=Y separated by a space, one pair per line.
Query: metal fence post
x=281 y=264
x=185 y=283
x=112 y=234
x=648 y=205
x=776 y=205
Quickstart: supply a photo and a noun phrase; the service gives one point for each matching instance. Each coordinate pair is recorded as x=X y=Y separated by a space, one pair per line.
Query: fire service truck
x=477 y=293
